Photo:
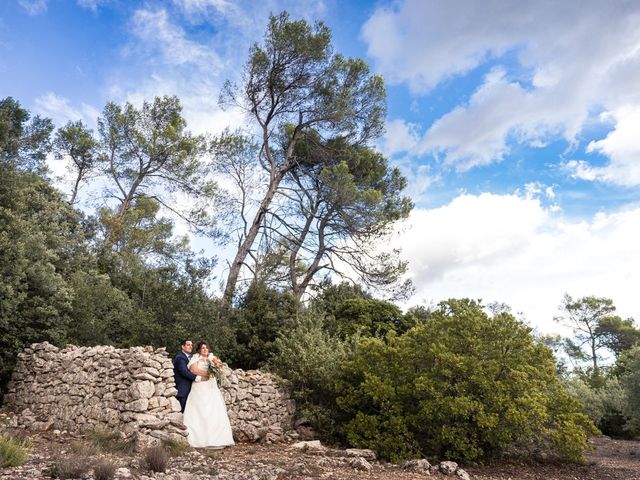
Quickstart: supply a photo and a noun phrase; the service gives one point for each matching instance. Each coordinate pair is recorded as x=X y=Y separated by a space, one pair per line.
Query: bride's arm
x=193 y=368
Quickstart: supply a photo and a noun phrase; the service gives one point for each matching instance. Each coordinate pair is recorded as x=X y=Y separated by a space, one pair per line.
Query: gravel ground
x=610 y=459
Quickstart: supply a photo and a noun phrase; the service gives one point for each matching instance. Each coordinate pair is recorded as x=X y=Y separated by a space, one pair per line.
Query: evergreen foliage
x=41 y=245
x=311 y=360
x=262 y=314
x=464 y=386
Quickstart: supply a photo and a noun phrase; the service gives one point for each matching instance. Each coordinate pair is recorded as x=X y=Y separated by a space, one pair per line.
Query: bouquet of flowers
x=215 y=368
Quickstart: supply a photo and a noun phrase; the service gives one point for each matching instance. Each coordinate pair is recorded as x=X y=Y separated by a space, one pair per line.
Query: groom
x=181 y=372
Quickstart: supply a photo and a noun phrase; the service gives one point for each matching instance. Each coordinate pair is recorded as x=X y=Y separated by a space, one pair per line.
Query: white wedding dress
x=205 y=414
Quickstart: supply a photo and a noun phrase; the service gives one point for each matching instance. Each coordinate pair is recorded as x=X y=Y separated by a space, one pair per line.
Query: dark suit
x=183 y=378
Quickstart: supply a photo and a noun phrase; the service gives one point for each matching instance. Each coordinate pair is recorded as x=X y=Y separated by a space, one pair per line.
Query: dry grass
x=156 y=459
x=175 y=448
x=104 y=470
x=112 y=441
x=70 y=467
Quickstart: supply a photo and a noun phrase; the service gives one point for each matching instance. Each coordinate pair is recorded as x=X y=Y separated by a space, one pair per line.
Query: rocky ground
x=610 y=459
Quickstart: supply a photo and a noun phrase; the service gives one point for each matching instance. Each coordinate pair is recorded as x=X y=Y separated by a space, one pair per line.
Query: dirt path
x=610 y=459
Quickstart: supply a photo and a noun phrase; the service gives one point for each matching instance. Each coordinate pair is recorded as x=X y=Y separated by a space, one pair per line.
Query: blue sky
x=518 y=125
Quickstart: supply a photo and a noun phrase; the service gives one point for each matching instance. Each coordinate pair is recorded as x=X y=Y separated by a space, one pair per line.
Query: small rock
x=311 y=446
x=419 y=465
x=448 y=468
x=123 y=472
x=460 y=473
x=360 y=463
x=361 y=452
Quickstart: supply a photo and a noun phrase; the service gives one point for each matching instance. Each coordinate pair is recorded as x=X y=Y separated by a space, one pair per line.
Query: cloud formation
x=61 y=110
x=572 y=59
x=34 y=7
x=514 y=249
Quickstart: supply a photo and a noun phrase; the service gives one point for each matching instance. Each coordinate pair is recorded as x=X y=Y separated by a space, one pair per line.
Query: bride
x=205 y=414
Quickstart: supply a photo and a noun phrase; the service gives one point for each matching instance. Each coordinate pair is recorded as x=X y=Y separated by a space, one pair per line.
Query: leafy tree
x=329 y=297
x=367 y=317
x=262 y=314
x=341 y=202
x=40 y=240
x=23 y=145
x=618 y=335
x=77 y=142
x=418 y=314
x=147 y=152
x=168 y=302
x=293 y=82
x=462 y=386
x=99 y=311
x=604 y=405
x=585 y=316
x=630 y=380
x=139 y=232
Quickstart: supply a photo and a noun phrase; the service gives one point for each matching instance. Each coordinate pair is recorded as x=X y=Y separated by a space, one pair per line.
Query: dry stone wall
x=133 y=391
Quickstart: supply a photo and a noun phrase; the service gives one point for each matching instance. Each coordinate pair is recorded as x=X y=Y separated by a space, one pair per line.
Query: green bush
x=604 y=405
x=13 y=452
x=462 y=386
x=263 y=313
x=368 y=317
x=310 y=359
x=630 y=380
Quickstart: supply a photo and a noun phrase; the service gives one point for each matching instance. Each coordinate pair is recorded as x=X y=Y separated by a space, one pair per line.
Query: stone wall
x=133 y=390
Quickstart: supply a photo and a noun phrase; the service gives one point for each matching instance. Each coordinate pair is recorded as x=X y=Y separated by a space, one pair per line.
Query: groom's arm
x=181 y=367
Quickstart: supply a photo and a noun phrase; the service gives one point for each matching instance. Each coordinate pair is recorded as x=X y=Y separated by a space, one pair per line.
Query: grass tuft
x=112 y=441
x=176 y=448
x=104 y=470
x=14 y=452
x=156 y=459
x=70 y=467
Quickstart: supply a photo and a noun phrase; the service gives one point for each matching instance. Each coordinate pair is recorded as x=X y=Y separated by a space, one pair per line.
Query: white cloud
x=399 y=137
x=199 y=6
x=577 y=57
x=194 y=68
x=92 y=5
x=159 y=33
x=34 y=7
x=622 y=146
x=512 y=249
x=61 y=111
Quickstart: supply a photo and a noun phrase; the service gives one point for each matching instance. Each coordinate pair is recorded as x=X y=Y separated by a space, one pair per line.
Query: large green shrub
x=604 y=405
x=630 y=380
x=367 y=317
x=310 y=359
x=464 y=386
x=262 y=314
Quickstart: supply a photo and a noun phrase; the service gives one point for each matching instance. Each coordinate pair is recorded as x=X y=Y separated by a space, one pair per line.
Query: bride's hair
x=200 y=344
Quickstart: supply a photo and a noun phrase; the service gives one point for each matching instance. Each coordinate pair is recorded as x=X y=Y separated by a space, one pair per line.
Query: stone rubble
x=303 y=460
x=133 y=390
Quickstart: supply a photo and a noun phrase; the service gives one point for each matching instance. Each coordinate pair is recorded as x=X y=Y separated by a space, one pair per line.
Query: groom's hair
x=182 y=342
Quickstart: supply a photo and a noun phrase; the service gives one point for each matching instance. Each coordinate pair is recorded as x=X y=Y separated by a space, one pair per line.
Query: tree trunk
x=75 y=189
x=313 y=268
x=247 y=243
